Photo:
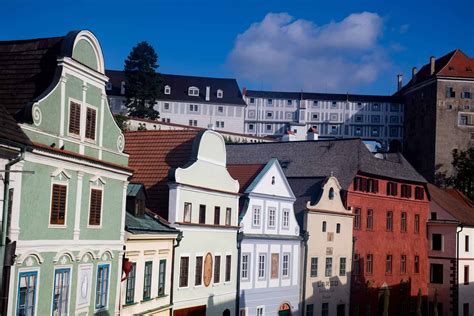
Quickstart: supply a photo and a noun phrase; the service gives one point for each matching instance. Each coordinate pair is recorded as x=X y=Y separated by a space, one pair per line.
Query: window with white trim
x=260 y=311
x=102 y=286
x=61 y=291
x=261 y=266
x=167 y=89
x=328 y=272
x=26 y=300
x=193 y=91
x=162 y=277
x=147 y=280
x=220 y=94
x=95 y=207
x=256 y=216
x=285 y=271
x=271 y=216
x=130 y=286
x=187 y=212
x=245 y=266
x=286 y=218
x=58 y=204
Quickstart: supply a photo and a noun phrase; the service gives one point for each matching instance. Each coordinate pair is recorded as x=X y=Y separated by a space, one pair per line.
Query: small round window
x=331 y=193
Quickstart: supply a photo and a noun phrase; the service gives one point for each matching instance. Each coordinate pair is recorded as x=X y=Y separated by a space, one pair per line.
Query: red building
x=390 y=245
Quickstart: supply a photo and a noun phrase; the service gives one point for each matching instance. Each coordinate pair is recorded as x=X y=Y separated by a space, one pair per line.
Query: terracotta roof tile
x=453 y=203
x=152 y=155
x=244 y=173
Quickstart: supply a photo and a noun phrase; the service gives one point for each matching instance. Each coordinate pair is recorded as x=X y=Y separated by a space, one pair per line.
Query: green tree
x=463 y=177
x=121 y=121
x=142 y=88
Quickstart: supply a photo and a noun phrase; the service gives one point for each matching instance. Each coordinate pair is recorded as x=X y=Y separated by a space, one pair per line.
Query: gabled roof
x=244 y=173
x=179 y=85
x=147 y=225
x=321 y=96
x=454 y=64
x=9 y=129
x=343 y=158
x=457 y=205
x=134 y=188
x=152 y=155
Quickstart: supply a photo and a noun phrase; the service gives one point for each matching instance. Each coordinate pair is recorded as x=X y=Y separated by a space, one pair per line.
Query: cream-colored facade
x=156 y=248
x=206 y=260
x=329 y=255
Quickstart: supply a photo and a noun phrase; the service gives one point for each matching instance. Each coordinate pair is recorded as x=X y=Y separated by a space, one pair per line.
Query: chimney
x=413 y=72
x=399 y=81
x=122 y=87
x=244 y=91
x=208 y=93
x=312 y=134
x=432 y=65
x=210 y=126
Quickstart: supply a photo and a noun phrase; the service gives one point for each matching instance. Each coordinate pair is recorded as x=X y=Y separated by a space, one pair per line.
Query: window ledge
x=130 y=304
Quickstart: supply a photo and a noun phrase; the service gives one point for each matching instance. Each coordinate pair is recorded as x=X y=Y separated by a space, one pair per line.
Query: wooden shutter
x=58 y=204
x=90 y=123
x=95 y=207
x=74 y=118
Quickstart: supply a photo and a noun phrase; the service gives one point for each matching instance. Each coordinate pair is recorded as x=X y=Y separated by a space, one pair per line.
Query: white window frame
x=66 y=184
x=186 y=255
x=193 y=91
x=68 y=116
x=271 y=217
x=90 y=140
x=262 y=268
x=260 y=310
x=256 y=216
x=100 y=188
x=220 y=94
x=287 y=268
x=246 y=269
x=167 y=89
x=285 y=222
x=166 y=106
x=190 y=212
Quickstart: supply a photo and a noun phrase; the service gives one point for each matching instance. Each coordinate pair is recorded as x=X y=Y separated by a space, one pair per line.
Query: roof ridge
x=30 y=39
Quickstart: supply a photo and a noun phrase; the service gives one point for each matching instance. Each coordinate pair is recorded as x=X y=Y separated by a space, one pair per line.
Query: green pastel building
x=67 y=191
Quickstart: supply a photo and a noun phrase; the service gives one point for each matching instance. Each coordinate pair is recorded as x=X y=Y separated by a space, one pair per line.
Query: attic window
x=108 y=86
x=139 y=207
x=331 y=194
x=273 y=180
x=220 y=94
x=193 y=91
x=168 y=89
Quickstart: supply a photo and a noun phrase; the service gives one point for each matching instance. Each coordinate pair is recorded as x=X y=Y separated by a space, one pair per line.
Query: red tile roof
x=454 y=64
x=454 y=204
x=152 y=155
x=244 y=173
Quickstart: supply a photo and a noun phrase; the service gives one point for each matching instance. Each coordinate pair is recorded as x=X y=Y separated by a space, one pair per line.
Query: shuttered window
x=95 y=207
x=74 y=118
x=90 y=123
x=58 y=204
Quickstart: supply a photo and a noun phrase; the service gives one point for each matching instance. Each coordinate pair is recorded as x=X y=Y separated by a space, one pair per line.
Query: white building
x=189 y=100
x=329 y=253
x=369 y=117
x=269 y=274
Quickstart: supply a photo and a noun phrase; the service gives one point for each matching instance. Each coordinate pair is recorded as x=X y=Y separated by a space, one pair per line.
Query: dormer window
x=193 y=91
x=108 y=86
x=168 y=90
x=220 y=94
x=139 y=207
x=331 y=194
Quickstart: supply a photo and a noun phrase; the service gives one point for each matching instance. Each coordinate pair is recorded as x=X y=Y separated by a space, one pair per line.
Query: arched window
x=226 y=313
x=167 y=89
x=331 y=194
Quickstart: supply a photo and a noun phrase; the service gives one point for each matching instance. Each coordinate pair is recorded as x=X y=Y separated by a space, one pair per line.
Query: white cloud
x=291 y=54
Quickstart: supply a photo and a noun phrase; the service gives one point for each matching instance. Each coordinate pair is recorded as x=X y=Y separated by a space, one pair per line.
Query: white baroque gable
x=271 y=181
x=330 y=199
x=209 y=168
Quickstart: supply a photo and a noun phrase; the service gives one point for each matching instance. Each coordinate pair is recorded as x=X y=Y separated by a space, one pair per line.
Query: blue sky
x=327 y=46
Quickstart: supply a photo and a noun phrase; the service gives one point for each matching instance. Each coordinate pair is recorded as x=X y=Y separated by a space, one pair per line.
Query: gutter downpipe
x=178 y=241
x=456 y=303
x=305 y=267
x=240 y=236
x=6 y=201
